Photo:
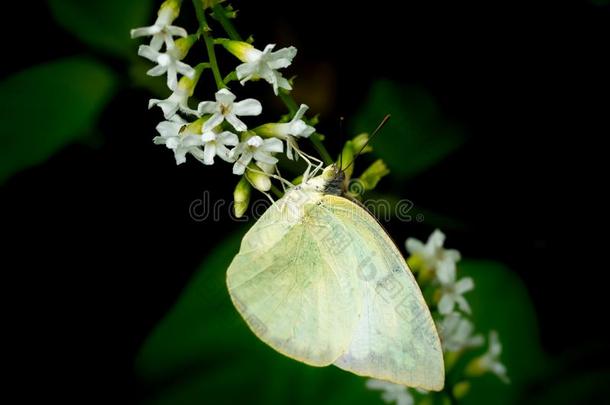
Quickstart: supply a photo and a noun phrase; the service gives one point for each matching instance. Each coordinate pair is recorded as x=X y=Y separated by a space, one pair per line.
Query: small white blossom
x=224 y=108
x=215 y=144
x=391 y=393
x=168 y=62
x=288 y=131
x=177 y=101
x=174 y=137
x=162 y=31
x=434 y=255
x=490 y=361
x=264 y=64
x=452 y=294
x=457 y=333
x=258 y=149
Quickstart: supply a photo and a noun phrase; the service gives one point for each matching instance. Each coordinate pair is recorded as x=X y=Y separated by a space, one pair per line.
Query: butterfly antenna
x=342 y=137
x=375 y=132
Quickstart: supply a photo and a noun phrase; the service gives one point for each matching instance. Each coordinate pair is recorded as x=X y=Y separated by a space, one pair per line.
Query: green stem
x=204 y=31
x=289 y=102
x=227 y=25
x=278 y=193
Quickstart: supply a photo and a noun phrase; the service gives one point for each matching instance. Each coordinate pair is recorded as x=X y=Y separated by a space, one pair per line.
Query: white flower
x=264 y=64
x=435 y=256
x=215 y=144
x=162 y=31
x=258 y=149
x=456 y=333
x=452 y=293
x=224 y=108
x=288 y=131
x=178 y=100
x=168 y=62
x=391 y=393
x=174 y=137
x=490 y=361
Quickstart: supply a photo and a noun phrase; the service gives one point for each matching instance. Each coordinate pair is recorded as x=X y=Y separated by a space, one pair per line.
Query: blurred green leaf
x=103 y=24
x=416 y=137
x=47 y=106
x=202 y=352
x=500 y=301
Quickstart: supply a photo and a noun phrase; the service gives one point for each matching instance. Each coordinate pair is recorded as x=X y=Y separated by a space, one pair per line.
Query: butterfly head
x=331 y=181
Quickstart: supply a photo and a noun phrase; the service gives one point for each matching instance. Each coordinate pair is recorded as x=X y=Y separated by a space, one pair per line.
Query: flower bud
x=241 y=50
x=183 y=45
x=371 y=176
x=241 y=197
x=360 y=144
x=347 y=159
x=258 y=178
x=461 y=389
x=169 y=10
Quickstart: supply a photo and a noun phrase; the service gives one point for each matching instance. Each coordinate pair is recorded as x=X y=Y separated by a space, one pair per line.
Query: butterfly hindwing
x=395 y=338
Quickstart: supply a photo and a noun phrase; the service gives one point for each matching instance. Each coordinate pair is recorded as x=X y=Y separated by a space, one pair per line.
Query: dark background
x=99 y=242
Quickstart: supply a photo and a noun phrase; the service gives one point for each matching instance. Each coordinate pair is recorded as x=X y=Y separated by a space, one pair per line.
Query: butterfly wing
x=290 y=289
x=395 y=338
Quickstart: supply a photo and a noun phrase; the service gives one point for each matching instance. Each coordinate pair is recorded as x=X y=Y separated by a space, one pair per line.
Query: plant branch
x=204 y=31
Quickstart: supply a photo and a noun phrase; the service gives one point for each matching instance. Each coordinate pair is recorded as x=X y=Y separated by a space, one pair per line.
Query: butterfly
x=319 y=280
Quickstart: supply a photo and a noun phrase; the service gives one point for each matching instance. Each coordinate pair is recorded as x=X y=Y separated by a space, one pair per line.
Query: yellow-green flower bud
x=360 y=144
x=183 y=45
x=258 y=178
x=461 y=389
x=371 y=176
x=241 y=50
x=241 y=197
x=170 y=9
x=347 y=159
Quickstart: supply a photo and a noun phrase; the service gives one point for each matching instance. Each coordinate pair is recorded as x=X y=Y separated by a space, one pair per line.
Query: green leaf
x=103 y=24
x=501 y=302
x=416 y=137
x=47 y=106
x=203 y=352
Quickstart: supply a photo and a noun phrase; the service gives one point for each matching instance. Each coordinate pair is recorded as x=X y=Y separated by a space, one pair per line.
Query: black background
x=99 y=242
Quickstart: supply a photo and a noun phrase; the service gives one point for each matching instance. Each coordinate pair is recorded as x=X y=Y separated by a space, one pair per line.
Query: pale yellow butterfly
x=319 y=280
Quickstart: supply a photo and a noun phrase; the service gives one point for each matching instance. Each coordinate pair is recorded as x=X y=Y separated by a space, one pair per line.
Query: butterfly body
x=319 y=280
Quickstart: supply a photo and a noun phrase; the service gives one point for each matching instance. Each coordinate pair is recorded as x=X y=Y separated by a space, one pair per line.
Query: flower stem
x=204 y=31
x=276 y=191
x=227 y=25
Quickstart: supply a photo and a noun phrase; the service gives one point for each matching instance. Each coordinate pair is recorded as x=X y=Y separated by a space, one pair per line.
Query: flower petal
x=273 y=145
x=227 y=138
x=446 y=304
x=225 y=97
x=148 y=53
x=157 y=70
x=236 y=122
x=209 y=151
x=464 y=285
x=264 y=157
x=206 y=107
x=176 y=31
x=212 y=122
x=144 y=31
x=247 y=107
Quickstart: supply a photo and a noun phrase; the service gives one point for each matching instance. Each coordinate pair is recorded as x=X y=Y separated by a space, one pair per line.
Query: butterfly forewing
x=289 y=288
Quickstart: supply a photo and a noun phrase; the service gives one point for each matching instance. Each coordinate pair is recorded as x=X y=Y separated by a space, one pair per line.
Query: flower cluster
x=219 y=128
x=436 y=270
